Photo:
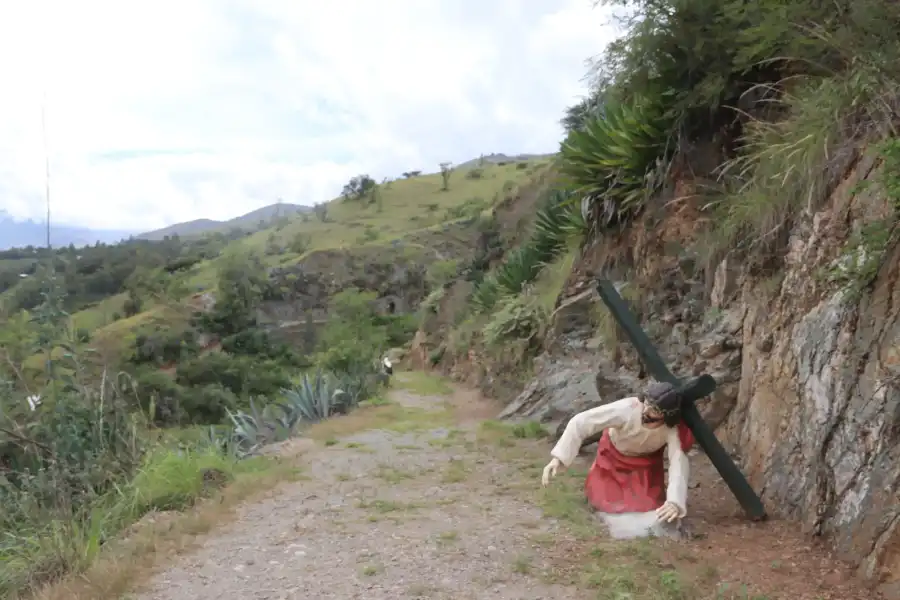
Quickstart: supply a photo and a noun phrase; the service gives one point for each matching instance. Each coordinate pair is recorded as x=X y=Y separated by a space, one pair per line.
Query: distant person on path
x=626 y=483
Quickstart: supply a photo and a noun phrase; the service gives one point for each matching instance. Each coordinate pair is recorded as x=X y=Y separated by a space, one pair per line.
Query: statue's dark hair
x=665 y=398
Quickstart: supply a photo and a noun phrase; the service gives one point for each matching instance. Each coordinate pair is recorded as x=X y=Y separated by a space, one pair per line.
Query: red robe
x=618 y=483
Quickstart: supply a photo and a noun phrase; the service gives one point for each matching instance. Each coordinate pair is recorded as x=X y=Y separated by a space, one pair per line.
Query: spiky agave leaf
x=250 y=429
x=311 y=399
x=486 y=294
x=550 y=233
x=575 y=223
x=609 y=159
x=354 y=388
x=521 y=266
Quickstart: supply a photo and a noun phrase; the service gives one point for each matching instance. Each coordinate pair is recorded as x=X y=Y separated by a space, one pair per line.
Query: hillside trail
x=427 y=498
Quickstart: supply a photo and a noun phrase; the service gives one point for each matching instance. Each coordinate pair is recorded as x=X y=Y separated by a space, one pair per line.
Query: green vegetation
x=157 y=379
x=746 y=115
x=126 y=390
x=508 y=310
x=616 y=161
x=786 y=97
x=79 y=461
x=82 y=458
x=390 y=211
x=557 y=223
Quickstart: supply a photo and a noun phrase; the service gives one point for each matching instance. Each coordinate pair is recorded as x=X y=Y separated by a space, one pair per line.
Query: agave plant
x=256 y=428
x=552 y=228
x=609 y=160
x=575 y=221
x=486 y=294
x=352 y=388
x=314 y=398
x=521 y=266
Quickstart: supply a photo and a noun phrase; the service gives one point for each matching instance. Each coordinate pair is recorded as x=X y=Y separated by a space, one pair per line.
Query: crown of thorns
x=664 y=398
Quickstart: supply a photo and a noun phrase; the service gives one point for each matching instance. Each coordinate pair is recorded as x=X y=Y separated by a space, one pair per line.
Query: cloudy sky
x=163 y=111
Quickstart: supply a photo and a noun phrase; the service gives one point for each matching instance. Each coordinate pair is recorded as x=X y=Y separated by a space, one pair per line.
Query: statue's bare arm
x=675 y=506
x=584 y=425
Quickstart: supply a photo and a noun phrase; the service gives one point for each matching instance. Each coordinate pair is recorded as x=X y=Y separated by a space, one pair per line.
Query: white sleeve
x=679 y=470
x=587 y=423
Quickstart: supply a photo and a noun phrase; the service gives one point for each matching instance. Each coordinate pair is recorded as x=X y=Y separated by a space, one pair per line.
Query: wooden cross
x=691 y=391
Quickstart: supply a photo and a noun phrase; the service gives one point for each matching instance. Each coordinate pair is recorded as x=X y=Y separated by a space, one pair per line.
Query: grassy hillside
x=393 y=211
x=112 y=291
x=399 y=207
x=188 y=228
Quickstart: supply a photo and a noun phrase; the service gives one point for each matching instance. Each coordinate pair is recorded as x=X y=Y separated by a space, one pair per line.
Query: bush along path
x=423 y=496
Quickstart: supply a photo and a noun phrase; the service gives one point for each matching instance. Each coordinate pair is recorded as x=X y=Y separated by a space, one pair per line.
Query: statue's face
x=651 y=418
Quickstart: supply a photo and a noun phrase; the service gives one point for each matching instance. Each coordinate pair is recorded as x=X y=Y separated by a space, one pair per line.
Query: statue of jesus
x=626 y=483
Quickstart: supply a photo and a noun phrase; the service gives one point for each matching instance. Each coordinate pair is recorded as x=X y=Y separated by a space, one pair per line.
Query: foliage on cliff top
x=784 y=93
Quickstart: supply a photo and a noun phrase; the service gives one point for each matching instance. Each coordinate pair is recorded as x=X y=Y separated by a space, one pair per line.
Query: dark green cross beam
x=691 y=391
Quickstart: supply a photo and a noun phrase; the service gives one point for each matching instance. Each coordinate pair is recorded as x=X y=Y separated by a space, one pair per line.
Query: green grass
x=117 y=336
x=101 y=314
x=168 y=481
x=388 y=416
x=422 y=383
x=549 y=284
x=407 y=205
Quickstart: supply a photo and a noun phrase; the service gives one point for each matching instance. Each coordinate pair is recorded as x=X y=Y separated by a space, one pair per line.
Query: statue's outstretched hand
x=669 y=512
x=550 y=471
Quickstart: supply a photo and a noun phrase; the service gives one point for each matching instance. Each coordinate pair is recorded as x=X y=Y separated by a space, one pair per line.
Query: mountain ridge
x=254 y=219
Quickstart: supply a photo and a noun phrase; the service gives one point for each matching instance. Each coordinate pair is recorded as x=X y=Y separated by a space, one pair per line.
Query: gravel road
x=384 y=515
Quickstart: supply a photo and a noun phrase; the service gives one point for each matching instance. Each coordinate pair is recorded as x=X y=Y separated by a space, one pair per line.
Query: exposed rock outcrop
x=398 y=277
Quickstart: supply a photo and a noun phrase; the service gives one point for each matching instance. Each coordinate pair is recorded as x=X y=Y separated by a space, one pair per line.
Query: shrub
x=558 y=221
x=73 y=454
x=441 y=272
x=517 y=318
x=244 y=375
x=208 y=404
x=164 y=346
x=471 y=208
x=257 y=342
x=399 y=328
x=159 y=397
x=431 y=301
x=486 y=294
x=352 y=339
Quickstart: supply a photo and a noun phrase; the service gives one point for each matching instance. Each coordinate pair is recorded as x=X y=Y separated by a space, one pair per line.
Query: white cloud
x=167 y=111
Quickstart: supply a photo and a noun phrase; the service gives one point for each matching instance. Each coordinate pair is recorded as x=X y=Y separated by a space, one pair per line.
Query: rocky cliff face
x=817 y=414
x=395 y=273
x=808 y=366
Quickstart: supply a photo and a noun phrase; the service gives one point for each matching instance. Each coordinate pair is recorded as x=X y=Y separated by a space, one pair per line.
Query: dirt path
x=422 y=498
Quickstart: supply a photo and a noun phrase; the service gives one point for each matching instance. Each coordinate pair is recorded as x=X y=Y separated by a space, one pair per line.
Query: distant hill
x=19 y=234
x=502 y=158
x=257 y=219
